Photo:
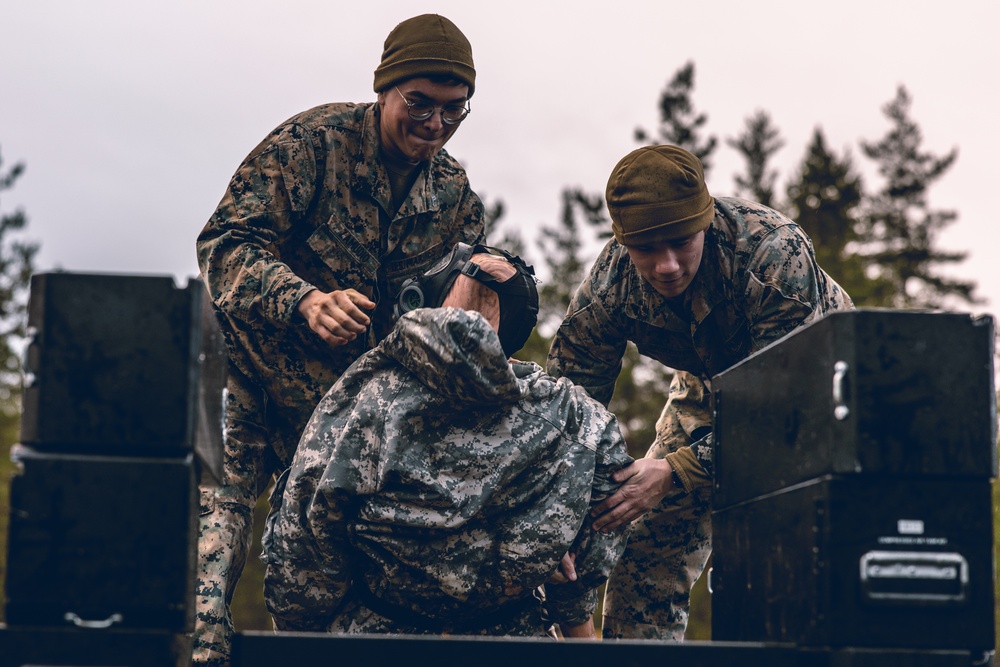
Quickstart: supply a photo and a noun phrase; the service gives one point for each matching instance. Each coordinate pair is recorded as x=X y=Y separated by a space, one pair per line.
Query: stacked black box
x=23 y=646
x=127 y=365
x=123 y=408
x=102 y=539
x=852 y=493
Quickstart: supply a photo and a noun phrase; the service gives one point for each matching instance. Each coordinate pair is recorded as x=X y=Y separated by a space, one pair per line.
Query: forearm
x=299 y=601
x=575 y=602
x=692 y=466
x=247 y=281
x=596 y=553
x=265 y=200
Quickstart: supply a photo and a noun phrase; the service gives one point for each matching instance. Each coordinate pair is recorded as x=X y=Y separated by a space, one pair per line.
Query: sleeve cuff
x=688 y=469
x=285 y=305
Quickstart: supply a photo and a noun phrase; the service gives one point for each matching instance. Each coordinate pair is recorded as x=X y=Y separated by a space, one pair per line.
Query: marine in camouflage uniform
x=437 y=486
x=757 y=280
x=319 y=208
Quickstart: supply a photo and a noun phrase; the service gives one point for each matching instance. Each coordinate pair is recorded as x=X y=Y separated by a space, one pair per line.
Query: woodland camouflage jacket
x=307 y=209
x=446 y=482
x=758 y=281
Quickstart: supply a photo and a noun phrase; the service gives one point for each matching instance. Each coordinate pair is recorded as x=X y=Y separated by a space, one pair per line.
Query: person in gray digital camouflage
x=697 y=283
x=438 y=485
x=317 y=230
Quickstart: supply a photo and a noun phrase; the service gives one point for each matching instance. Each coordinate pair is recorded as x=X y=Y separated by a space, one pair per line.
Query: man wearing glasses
x=318 y=229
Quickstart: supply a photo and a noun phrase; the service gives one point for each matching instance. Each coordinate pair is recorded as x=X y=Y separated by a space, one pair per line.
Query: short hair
x=470 y=294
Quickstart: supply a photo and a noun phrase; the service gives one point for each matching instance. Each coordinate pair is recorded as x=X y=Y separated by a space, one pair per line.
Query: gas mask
x=518 y=295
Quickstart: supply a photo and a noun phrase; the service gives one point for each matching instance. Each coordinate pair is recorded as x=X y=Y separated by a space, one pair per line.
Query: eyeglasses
x=450 y=114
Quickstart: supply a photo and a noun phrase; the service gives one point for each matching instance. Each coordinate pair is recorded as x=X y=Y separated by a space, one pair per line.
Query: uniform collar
x=372 y=180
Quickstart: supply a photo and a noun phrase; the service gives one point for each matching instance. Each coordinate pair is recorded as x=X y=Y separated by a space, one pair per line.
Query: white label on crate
x=910 y=527
x=911 y=571
x=919 y=540
x=904 y=577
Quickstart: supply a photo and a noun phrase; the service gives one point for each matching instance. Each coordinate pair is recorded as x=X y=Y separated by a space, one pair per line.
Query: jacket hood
x=455 y=353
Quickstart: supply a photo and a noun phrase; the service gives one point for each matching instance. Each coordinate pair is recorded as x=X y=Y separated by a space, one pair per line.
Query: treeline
x=879 y=241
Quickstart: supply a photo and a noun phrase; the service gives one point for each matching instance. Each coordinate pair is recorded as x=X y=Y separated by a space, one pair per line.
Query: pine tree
x=757 y=144
x=904 y=229
x=498 y=235
x=561 y=247
x=680 y=124
x=16 y=266
x=825 y=199
x=16 y=259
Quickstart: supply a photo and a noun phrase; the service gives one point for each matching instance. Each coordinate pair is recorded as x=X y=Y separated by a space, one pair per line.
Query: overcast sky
x=131 y=116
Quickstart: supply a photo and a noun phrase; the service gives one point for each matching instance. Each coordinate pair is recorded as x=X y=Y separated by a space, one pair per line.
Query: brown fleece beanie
x=425 y=45
x=658 y=193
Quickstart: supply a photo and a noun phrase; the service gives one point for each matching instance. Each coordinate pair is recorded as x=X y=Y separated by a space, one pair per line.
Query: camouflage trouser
x=649 y=591
x=225 y=526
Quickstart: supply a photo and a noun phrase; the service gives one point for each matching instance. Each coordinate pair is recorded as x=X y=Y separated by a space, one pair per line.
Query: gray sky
x=131 y=116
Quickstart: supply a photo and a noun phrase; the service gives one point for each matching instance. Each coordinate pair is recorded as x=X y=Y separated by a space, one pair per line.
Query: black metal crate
x=102 y=540
x=861 y=561
x=858 y=392
x=123 y=364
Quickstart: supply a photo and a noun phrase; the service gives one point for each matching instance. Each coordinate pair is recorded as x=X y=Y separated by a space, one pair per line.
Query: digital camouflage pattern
x=448 y=484
x=758 y=281
x=226 y=520
x=308 y=208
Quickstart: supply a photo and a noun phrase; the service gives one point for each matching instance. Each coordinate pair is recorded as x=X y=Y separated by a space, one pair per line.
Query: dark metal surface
x=100 y=540
x=123 y=364
x=253 y=649
x=52 y=647
x=858 y=392
x=858 y=561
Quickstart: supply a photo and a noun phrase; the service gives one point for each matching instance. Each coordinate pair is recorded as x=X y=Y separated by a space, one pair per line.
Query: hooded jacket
x=442 y=484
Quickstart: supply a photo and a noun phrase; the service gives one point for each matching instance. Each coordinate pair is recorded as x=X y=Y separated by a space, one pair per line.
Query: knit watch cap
x=425 y=45
x=658 y=193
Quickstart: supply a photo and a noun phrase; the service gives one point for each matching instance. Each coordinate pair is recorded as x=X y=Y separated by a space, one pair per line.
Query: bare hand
x=646 y=482
x=336 y=317
x=566 y=572
x=584 y=630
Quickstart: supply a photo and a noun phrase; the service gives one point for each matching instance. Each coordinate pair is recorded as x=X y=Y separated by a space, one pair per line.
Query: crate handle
x=28 y=375
x=80 y=623
x=840 y=409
